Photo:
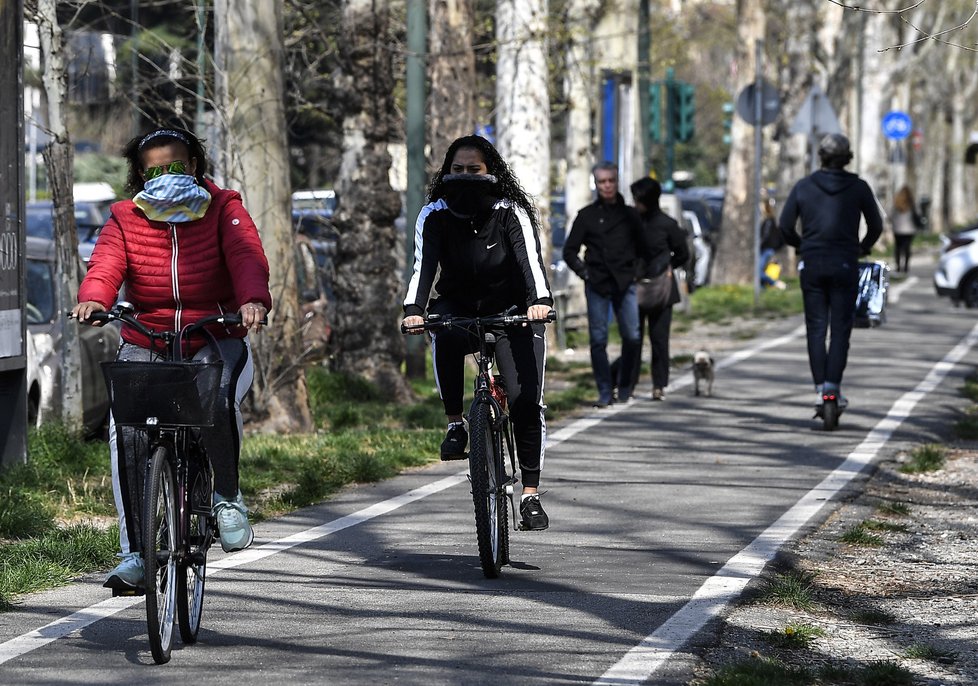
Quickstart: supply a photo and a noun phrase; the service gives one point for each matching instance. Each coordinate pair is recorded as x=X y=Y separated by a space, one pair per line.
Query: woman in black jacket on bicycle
x=479 y=235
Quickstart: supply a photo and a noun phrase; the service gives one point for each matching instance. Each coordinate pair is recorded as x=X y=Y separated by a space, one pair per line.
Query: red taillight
x=955 y=242
x=828 y=396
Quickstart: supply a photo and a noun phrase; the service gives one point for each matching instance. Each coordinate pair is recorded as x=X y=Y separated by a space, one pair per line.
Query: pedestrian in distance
x=668 y=251
x=184 y=249
x=771 y=242
x=477 y=244
x=905 y=222
x=829 y=203
x=611 y=233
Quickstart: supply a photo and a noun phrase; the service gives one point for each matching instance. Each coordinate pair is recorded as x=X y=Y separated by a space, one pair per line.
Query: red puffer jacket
x=175 y=274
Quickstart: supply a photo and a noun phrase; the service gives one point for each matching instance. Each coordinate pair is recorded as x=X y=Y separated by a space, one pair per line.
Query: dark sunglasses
x=175 y=167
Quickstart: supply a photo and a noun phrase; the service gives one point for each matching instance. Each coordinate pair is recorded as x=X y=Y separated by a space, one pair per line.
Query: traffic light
x=655 y=112
x=728 y=112
x=682 y=111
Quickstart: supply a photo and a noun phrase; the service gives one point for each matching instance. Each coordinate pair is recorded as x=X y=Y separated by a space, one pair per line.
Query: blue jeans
x=765 y=257
x=829 y=287
x=625 y=307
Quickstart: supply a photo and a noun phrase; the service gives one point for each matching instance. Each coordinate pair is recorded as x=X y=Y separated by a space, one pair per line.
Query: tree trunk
x=256 y=151
x=579 y=84
x=370 y=253
x=523 y=101
x=451 y=60
x=58 y=159
x=735 y=250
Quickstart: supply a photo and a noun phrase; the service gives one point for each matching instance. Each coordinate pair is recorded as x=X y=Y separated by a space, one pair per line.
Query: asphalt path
x=661 y=514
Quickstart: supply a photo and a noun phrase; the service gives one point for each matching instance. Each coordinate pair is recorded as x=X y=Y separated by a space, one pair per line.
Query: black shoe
x=453 y=447
x=531 y=511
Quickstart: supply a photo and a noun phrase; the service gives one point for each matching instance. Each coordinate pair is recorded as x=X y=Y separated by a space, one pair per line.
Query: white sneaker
x=232 y=523
x=128 y=574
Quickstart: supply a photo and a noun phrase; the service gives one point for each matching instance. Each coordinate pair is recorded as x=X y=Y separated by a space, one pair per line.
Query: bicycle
x=490 y=438
x=168 y=401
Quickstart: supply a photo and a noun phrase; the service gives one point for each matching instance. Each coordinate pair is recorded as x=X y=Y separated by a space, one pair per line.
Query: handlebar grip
x=93 y=317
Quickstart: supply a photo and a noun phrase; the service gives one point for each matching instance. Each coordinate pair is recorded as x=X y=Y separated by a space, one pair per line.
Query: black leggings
x=901 y=251
x=520 y=357
x=659 y=322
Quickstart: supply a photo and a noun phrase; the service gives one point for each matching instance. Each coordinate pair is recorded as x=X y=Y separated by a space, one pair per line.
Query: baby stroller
x=874 y=281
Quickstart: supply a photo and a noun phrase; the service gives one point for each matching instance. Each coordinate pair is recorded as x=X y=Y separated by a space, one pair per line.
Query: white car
x=956 y=275
x=704 y=251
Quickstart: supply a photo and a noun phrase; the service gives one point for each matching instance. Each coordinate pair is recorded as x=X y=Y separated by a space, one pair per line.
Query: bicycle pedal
x=127 y=592
x=453 y=458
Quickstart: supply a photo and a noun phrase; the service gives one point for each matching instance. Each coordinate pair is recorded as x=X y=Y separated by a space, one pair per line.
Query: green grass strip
x=54 y=559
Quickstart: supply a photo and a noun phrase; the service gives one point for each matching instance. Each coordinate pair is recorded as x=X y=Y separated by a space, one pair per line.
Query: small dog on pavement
x=703 y=371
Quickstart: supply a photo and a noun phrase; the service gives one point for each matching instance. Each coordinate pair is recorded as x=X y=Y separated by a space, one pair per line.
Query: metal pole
x=417 y=33
x=758 y=153
x=644 y=68
x=670 y=129
x=134 y=63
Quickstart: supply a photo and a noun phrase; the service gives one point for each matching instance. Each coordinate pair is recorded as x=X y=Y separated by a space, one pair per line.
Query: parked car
x=956 y=275
x=92 y=203
x=707 y=203
x=702 y=249
x=316 y=243
x=33 y=381
x=46 y=326
x=321 y=201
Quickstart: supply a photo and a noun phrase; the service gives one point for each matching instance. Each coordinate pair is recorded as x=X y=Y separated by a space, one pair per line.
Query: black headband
x=170 y=133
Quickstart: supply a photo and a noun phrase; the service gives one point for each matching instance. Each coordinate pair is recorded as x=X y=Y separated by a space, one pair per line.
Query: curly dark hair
x=506 y=186
x=158 y=137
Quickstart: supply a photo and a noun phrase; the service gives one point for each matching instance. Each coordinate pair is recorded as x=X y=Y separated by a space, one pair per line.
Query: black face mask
x=469 y=194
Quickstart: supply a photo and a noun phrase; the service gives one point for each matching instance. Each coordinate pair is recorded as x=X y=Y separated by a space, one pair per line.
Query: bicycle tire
x=192 y=573
x=830 y=415
x=487 y=495
x=506 y=443
x=159 y=553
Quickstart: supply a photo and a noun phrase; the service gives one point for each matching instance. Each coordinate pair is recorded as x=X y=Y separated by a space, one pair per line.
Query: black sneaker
x=453 y=447
x=534 y=518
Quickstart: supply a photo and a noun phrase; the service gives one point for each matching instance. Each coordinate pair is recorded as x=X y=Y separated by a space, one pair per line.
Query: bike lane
x=649 y=502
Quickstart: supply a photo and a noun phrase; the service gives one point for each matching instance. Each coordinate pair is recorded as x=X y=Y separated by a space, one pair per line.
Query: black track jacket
x=829 y=204
x=488 y=264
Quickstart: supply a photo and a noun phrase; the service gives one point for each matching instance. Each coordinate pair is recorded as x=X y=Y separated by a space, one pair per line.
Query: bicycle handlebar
x=435 y=321
x=126 y=315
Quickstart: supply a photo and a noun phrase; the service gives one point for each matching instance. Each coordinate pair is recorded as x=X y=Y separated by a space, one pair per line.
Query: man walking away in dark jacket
x=611 y=233
x=829 y=204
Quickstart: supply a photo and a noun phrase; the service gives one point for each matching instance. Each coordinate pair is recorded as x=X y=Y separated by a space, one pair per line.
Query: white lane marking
x=641 y=662
x=60 y=628
x=895 y=293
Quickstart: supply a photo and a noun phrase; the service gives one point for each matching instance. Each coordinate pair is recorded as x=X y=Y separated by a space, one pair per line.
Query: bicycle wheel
x=505 y=444
x=159 y=553
x=487 y=492
x=193 y=568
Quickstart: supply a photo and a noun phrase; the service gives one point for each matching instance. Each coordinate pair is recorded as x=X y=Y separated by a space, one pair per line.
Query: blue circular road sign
x=897 y=125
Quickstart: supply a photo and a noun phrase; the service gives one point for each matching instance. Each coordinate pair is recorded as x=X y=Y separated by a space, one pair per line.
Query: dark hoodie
x=829 y=204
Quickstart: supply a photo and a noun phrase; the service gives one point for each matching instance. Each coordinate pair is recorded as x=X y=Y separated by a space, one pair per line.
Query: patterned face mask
x=173 y=198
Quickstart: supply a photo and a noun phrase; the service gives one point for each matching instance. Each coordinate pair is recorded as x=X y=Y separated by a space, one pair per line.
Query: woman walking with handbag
x=657 y=288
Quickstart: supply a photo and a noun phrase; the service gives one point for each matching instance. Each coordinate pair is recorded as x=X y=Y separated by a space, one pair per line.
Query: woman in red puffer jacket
x=184 y=249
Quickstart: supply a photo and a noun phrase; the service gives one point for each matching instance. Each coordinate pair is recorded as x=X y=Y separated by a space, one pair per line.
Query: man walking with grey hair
x=611 y=233
x=829 y=204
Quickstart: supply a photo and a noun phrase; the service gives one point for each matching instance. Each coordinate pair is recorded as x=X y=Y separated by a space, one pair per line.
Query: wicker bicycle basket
x=163 y=393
